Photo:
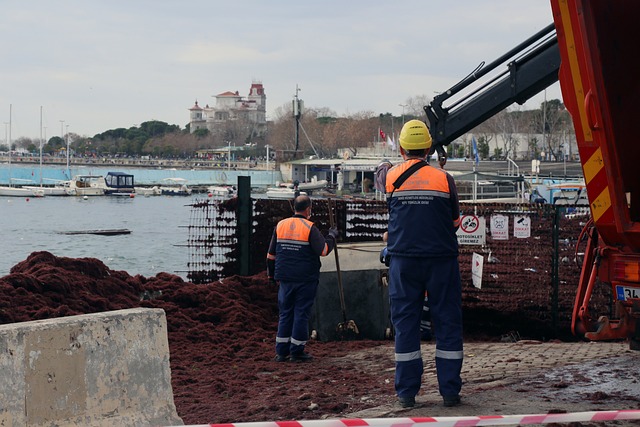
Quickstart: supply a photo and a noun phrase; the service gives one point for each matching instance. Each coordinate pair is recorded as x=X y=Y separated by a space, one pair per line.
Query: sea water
x=157 y=242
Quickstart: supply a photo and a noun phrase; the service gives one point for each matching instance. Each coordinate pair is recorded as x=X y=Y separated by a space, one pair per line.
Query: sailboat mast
x=41 y=146
x=10 y=110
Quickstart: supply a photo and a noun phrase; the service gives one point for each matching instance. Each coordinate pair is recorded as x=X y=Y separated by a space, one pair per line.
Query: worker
x=293 y=262
x=424 y=215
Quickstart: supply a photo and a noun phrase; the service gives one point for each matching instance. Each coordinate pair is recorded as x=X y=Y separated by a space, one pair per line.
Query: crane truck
x=592 y=50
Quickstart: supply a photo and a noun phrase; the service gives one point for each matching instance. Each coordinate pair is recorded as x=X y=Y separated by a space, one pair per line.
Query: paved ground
x=530 y=377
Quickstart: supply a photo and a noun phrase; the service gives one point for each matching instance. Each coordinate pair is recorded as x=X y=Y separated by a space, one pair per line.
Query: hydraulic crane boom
x=532 y=66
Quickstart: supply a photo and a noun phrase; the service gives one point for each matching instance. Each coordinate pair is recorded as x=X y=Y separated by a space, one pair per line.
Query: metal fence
x=528 y=283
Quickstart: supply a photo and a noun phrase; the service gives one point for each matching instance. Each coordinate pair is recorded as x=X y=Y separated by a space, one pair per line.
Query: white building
x=230 y=106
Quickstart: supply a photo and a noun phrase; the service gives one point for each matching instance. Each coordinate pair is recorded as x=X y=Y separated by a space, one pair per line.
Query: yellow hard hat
x=415 y=136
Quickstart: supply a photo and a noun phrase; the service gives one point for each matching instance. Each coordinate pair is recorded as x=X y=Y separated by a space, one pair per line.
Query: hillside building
x=232 y=108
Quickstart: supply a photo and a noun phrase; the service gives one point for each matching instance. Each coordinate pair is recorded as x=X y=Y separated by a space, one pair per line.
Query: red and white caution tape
x=488 y=420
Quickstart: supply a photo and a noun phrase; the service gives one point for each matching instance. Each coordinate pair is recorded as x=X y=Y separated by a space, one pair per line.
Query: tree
x=415 y=106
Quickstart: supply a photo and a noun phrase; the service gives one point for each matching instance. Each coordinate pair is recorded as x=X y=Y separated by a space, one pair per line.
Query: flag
x=391 y=143
x=382 y=134
x=475 y=150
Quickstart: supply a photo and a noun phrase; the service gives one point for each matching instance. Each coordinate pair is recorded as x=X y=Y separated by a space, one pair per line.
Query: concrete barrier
x=101 y=369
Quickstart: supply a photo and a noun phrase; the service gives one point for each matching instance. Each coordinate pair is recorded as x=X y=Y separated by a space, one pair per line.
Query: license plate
x=627 y=292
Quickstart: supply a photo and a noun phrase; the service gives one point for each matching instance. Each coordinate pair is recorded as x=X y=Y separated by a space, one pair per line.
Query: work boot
x=450 y=401
x=280 y=358
x=407 y=402
x=300 y=357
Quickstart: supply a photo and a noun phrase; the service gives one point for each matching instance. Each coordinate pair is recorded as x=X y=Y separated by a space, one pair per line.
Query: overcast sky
x=97 y=65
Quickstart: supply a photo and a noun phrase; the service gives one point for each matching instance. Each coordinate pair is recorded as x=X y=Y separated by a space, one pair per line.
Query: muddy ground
x=221 y=340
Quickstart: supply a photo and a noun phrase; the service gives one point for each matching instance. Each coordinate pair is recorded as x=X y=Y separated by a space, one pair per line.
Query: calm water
x=157 y=225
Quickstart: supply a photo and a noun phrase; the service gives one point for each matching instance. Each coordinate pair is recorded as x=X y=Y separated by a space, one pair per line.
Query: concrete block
x=366 y=293
x=101 y=369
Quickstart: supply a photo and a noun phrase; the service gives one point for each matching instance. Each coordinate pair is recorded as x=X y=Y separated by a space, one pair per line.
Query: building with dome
x=232 y=109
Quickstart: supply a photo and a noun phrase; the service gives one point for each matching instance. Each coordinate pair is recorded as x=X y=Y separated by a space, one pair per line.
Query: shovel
x=347 y=330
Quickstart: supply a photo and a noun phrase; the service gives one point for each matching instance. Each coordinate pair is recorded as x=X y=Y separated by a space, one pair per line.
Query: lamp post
x=268 y=170
x=68 y=142
x=403 y=106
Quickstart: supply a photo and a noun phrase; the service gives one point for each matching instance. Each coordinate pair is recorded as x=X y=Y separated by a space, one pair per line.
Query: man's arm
x=455 y=202
x=271 y=256
x=320 y=245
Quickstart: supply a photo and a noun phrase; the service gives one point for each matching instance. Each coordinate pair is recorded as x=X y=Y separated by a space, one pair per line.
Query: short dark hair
x=301 y=203
x=420 y=152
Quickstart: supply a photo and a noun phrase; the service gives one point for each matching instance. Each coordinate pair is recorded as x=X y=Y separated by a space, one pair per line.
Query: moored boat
x=119 y=184
x=175 y=187
x=87 y=185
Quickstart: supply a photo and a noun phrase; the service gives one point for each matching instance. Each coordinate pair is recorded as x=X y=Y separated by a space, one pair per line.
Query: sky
x=87 y=66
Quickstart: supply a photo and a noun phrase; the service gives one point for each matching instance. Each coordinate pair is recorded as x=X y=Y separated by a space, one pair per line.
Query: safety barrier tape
x=488 y=420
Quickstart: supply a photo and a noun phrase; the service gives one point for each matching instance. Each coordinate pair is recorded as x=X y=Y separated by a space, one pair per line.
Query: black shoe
x=407 y=402
x=301 y=357
x=280 y=358
x=450 y=401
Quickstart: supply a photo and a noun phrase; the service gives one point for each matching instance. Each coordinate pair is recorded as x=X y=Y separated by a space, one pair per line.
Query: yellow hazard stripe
x=575 y=68
x=600 y=205
x=592 y=166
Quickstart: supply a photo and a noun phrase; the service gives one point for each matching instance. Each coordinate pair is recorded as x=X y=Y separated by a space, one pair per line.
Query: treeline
x=321 y=132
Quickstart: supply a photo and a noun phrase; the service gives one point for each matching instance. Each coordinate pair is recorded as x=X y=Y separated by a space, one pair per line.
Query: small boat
x=87 y=185
x=21 y=192
x=59 y=188
x=283 y=193
x=175 y=187
x=109 y=232
x=148 y=191
x=119 y=184
x=220 y=191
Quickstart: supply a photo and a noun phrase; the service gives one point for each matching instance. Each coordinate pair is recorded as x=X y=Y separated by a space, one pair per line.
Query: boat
x=221 y=191
x=59 y=188
x=570 y=193
x=11 y=191
x=148 y=191
x=283 y=193
x=309 y=187
x=87 y=185
x=20 y=192
x=119 y=184
x=175 y=187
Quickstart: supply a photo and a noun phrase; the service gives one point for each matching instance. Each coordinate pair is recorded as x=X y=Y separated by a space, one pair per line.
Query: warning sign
x=472 y=231
x=522 y=227
x=476 y=270
x=500 y=227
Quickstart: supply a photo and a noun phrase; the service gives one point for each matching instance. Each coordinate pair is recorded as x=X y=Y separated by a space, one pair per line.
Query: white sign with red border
x=472 y=231
x=499 y=227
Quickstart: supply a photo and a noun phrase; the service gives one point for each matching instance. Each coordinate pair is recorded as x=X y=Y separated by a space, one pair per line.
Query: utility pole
x=297 y=113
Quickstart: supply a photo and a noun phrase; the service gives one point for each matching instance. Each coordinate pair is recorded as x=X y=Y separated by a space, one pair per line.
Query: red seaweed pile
x=221 y=340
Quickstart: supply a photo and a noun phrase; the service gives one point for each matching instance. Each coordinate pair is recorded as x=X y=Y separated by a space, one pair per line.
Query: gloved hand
x=385 y=258
x=333 y=232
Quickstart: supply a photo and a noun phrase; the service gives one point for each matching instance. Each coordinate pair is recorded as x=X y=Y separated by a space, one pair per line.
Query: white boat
x=11 y=191
x=59 y=188
x=148 y=191
x=21 y=192
x=175 y=187
x=220 y=191
x=87 y=185
x=283 y=193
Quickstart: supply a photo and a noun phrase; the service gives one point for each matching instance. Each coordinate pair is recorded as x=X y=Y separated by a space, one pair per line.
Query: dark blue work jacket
x=424 y=213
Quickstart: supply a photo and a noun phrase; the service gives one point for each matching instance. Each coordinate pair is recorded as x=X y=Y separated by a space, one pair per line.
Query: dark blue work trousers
x=409 y=278
x=295 y=300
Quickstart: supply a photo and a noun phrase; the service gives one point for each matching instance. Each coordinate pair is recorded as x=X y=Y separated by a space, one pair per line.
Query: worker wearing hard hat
x=424 y=215
x=293 y=261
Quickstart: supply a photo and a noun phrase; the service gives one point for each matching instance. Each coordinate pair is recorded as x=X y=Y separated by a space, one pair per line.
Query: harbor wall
x=29 y=175
x=100 y=369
